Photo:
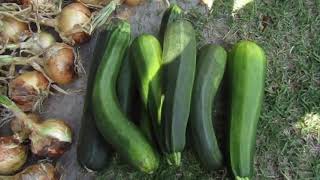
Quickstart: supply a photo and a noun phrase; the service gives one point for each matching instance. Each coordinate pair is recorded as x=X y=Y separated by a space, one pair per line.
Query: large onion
x=49 y=138
x=28 y=89
x=12 y=155
x=59 y=63
x=12 y=29
x=71 y=20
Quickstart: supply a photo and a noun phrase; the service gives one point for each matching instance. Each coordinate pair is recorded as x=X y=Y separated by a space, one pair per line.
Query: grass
x=288 y=138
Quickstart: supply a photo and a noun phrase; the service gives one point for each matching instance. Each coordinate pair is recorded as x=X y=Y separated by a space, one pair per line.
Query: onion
x=42 y=171
x=59 y=63
x=28 y=90
x=52 y=138
x=49 y=138
x=70 y=22
x=12 y=29
x=12 y=155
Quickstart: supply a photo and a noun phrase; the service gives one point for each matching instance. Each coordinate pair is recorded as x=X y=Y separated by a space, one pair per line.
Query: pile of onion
x=75 y=22
x=42 y=171
x=58 y=62
x=49 y=138
x=13 y=155
x=28 y=90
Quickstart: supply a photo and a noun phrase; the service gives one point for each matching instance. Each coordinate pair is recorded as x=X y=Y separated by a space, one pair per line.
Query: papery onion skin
x=26 y=89
x=12 y=29
x=12 y=155
x=42 y=171
x=59 y=63
x=52 y=139
x=70 y=20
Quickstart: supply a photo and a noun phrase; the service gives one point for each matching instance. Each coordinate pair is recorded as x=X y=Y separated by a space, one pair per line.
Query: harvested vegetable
x=75 y=22
x=59 y=63
x=93 y=152
x=12 y=29
x=246 y=72
x=50 y=138
x=28 y=90
x=13 y=155
x=42 y=171
x=179 y=65
x=211 y=64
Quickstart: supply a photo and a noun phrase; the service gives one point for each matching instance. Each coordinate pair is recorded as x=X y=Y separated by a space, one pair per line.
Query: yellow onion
x=59 y=63
x=70 y=22
x=42 y=171
x=27 y=89
x=12 y=29
x=13 y=155
x=51 y=138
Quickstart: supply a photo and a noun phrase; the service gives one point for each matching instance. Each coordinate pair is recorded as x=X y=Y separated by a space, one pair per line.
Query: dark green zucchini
x=179 y=65
x=146 y=53
x=246 y=71
x=211 y=64
x=113 y=124
x=173 y=13
x=125 y=86
x=93 y=152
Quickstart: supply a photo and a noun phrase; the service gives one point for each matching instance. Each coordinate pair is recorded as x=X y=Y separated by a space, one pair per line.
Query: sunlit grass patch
x=310 y=126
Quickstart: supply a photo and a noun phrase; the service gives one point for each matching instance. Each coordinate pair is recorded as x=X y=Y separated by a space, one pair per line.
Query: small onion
x=12 y=155
x=70 y=22
x=41 y=41
x=59 y=63
x=13 y=30
x=51 y=138
x=27 y=89
x=42 y=171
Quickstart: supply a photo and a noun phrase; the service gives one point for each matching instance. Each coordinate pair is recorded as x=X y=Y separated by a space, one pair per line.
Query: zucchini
x=173 y=13
x=211 y=64
x=246 y=71
x=93 y=153
x=179 y=65
x=125 y=86
x=147 y=56
x=112 y=123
